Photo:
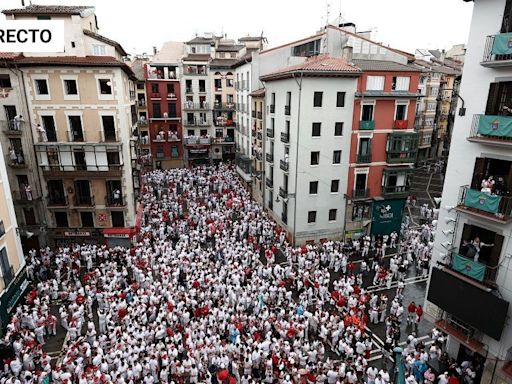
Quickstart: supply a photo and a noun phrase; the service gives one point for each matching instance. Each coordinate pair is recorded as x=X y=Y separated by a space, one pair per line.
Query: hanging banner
x=387 y=216
x=500 y=126
x=482 y=201
x=502 y=44
x=469 y=267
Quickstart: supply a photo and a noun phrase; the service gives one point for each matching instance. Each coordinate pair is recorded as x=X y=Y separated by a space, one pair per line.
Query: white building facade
x=470 y=286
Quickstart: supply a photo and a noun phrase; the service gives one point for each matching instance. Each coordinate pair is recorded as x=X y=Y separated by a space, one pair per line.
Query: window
x=105 y=86
x=336 y=157
x=117 y=219
x=400 y=83
x=375 y=83
x=401 y=112
x=171 y=107
x=70 y=87
x=75 y=126
x=154 y=88
x=316 y=129
x=311 y=216
x=61 y=220
x=340 y=99
x=7 y=272
x=87 y=219
x=49 y=127
x=30 y=216
x=317 y=100
x=313 y=187
x=5 y=81
x=332 y=214
x=338 y=129
x=99 y=50
x=2 y=228
x=157 y=112
x=42 y=87
x=174 y=151
x=109 y=128
x=202 y=85
x=367 y=113
x=44 y=17
x=73 y=45
x=170 y=88
x=311 y=48
x=315 y=158
x=335 y=186
x=113 y=158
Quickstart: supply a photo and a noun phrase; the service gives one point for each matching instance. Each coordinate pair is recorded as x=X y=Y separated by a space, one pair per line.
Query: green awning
x=469 y=267
x=490 y=125
x=482 y=200
x=502 y=44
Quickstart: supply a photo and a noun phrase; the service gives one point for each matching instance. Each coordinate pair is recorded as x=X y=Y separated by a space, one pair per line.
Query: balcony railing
x=269 y=183
x=19 y=162
x=498 y=50
x=283 y=192
x=189 y=90
x=285 y=137
x=482 y=273
x=224 y=140
x=287 y=110
x=197 y=123
x=367 y=125
x=491 y=129
x=400 y=124
x=224 y=106
x=364 y=158
x=24 y=197
x=84 y=201
x=111 y=201
x=190 y=106
x=196 y=140
x=272 y=108
x=401 y=157
x=486 y=205
x=193 y=70
x=13 y=127
x=360 y=193
x=284 y=165
x=396 y=190
x=53 y=201
x=270 y=133
x=269 y=157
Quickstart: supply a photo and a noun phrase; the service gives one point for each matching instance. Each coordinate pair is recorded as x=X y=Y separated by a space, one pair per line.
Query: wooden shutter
x=492 y=99
x=478 y=173
x=506 y=25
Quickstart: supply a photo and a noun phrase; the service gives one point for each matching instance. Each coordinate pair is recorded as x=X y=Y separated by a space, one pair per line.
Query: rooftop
x=317 y=65
x=223 y=63
x=200 y=40
x=170 y=53
x=105 y=40
x=48 y=9
x=258 y=93
x=197 y=57
x=251 y=38
x=381 y=65
x=229 y=48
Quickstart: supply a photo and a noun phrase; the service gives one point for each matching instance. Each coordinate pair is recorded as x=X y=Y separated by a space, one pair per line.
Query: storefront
x=12 y=295
x=119 y=237
x=68 y=237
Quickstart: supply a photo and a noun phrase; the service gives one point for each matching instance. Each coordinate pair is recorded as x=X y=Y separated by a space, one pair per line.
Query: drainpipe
x=299 y=84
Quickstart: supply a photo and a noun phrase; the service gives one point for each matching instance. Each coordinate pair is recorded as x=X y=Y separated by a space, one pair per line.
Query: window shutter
x=478 y=173
x=402 y=83
x=492 y=100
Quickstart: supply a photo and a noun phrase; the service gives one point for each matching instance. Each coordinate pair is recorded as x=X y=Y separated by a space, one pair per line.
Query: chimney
x=442 y=56
x=154 y=51
x=347 y=53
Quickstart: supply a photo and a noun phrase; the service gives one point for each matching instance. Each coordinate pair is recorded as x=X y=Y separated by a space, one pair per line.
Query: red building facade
x=164 y=113
x=383 y=142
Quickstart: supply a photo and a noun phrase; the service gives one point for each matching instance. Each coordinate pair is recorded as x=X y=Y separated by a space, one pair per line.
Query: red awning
x=119 y=232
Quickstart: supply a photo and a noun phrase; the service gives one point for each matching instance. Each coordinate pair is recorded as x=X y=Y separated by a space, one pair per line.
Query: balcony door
x=56 y=191
x=364 y=146
x=367 y=114
x=361 y=181
x=83 y=191
x=75 y=124
x=499 y=97
x=109 y=128
x=10 y=111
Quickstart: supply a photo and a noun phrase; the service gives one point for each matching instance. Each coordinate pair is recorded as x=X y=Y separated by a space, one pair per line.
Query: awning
x=123 y=233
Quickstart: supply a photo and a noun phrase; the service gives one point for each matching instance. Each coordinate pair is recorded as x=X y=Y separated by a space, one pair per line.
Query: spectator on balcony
x=18 y=119
x=286 y=158
x=500 y=187
x=488 y=185
x=13 y=156
x=474 y=248
x=28 y=192
x=42 y=133
x=116 y=194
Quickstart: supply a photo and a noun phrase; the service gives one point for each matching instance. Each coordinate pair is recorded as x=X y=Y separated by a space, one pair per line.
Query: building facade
x=470 y=287
x=383 y=147
x=259 y=134
x=306 y=179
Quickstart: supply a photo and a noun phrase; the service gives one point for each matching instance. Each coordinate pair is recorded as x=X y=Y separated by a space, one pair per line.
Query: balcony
x=190 y=106
x=24 y=197
x=18 y=163
x=364 y=158
x=401 y=157
x=491 y=130
x=197 y=123
x=199 y=70
x=259 y=156
x=155 y=95
x=498 y=51
x=485 y=205
x=12 y=127
x=479 y=272
x=358 y=194
x=224 y=106
x=367 y=125
x=224 y=140
x=284 y=165
x=396 y=190
x=269 y=183
x=260 y=115
x=57 y=202
x=270 y=133
x=259 y=135
x=112 y=202
x=61 y=171
x=287 y=110
x=83 y=201
x=283 y=192
x=285 y=137
x=272 y=108
x=269 y=157
x=196 y=140
x=400 y=124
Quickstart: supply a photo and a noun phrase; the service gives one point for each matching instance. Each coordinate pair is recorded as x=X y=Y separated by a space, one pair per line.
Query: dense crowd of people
x=212 y=292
